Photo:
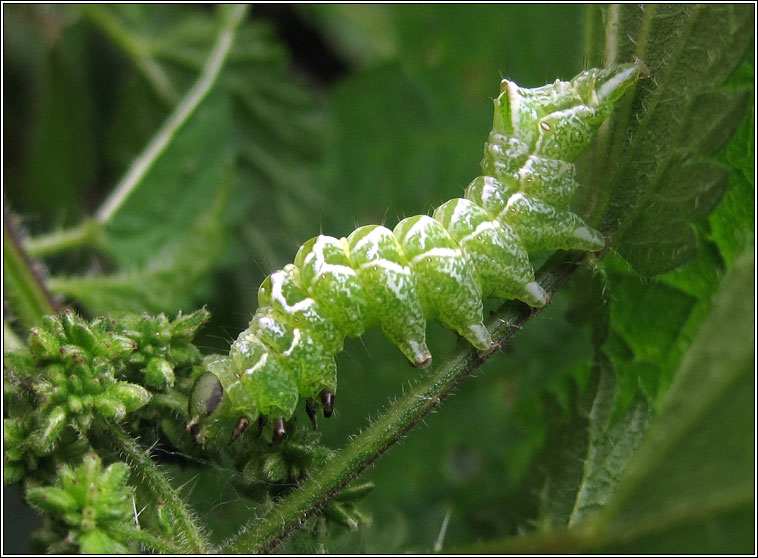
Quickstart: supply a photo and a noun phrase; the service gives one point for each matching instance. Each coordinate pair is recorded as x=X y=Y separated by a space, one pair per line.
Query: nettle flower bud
x=50 y=428
x=184 y=328
x=274 y=468
x=15 y=440
x=160 y=345
x=83 y=336
x=184 y=353
x=132 y=396
x=51 y=499
x=94 y=503
x=119 y=346
x=74 y=376
x=76 y=369
x=43 y=344
x=159 y=373
x=110 y=408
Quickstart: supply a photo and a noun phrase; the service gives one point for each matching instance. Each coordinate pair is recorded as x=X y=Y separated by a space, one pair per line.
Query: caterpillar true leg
x=280 y=430
x=240 y=427
x=327 y=400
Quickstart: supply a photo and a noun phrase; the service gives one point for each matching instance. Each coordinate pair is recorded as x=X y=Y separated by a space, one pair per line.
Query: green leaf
x=60 y=164
x=185 y=177
x=661 y=181
x=586 y=453
x=273 y=115
x=556 y=472
x=612 y=441
x=732 y=224
x=171 y=278
x=256 y=130
x=363 y=33
x=689 y=488
x=649 y=331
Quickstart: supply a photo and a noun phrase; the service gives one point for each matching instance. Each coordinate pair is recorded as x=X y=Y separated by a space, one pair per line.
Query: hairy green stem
x=192 y=538
x=611 y=34
x=264 y=534
x=147 y=540
x=88 y=233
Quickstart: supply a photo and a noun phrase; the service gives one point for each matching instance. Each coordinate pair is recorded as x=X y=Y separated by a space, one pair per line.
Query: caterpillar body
x=438 y=267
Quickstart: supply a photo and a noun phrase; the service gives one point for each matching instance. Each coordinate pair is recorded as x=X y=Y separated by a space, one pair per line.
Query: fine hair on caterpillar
x=427 y=267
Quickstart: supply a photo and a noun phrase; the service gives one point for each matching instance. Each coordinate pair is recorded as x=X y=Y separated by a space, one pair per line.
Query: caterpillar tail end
x=615 y=81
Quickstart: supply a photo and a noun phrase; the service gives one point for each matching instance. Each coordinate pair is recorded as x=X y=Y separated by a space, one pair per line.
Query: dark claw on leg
x=310 y=408
x=242 y=424
x=280 y=431
x=327 y=400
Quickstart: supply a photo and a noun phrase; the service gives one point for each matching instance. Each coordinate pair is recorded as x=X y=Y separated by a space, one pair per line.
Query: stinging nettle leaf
x=690 y=486
x=177 y=188
x=682 y=116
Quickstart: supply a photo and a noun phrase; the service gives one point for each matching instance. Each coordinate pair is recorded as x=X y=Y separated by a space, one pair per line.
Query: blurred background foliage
x=326 y=117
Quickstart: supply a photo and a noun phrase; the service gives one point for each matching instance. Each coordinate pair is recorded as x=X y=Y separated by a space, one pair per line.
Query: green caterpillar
x=438 y=267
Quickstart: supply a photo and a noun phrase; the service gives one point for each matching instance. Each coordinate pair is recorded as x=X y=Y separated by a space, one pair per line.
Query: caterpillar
x=428 y=267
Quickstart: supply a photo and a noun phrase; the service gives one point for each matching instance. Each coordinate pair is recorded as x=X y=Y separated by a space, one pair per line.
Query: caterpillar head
x=219 y=403
x=206 y=404
x=222 y=405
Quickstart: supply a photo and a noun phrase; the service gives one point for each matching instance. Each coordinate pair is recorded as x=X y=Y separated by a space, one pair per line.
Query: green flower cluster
x=75 y=370
x=161 y=345
x=288 y=462
x=93 y=503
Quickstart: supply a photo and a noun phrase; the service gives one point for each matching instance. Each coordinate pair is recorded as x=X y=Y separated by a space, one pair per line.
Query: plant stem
x=88 y=233
x=264 y=533
x=193 y=541
x=23 y=284
x=148 y=539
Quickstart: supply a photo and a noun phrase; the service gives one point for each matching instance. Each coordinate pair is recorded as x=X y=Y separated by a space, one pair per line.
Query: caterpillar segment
x=427 y=267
